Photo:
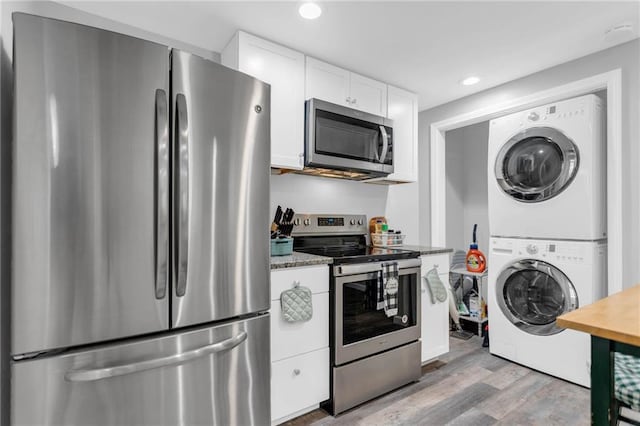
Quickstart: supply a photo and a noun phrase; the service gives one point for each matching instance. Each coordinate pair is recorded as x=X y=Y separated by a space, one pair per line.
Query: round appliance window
x=536 y=164
x=532 y=294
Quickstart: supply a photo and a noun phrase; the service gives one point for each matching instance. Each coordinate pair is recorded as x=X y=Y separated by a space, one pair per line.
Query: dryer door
x=532 y=294
x=536 y=164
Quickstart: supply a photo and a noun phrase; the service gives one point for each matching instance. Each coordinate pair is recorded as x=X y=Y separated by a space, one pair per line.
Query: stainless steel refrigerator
x=140 y=266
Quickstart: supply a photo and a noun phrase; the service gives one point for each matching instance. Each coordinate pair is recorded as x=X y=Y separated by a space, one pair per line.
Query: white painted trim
x=612 y=82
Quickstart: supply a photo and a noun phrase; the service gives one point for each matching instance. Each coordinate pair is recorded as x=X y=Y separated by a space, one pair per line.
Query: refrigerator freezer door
x=207 y=376
x=221 y=131
x=90 y=185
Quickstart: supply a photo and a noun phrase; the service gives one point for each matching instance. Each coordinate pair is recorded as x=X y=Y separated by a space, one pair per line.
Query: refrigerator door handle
x=172 y=360
x=182 y=129
x=162 y=193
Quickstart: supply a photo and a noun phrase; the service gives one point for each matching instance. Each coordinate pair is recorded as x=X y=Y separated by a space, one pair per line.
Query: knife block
x=281 y=246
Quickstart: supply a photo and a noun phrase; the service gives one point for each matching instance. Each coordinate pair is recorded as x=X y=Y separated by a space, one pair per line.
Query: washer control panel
x=556 y=251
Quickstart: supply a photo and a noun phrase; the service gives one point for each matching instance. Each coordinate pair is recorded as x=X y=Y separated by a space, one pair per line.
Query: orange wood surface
x=616 y=317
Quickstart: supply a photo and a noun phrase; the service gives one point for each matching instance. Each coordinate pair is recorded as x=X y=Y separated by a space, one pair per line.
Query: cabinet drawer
x=299 y=382
x=292 y=338
x=314 y=277
x=440 y=261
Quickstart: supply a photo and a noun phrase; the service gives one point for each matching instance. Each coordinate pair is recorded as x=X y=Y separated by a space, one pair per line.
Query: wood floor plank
x=506 y=375
x=473 y=417
x=470 y=386
x=412 y=407
x=515 y=396
x=453 y=406
x=558 y=403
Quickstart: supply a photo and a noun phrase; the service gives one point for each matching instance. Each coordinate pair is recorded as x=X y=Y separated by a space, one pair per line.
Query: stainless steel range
x=375 y=344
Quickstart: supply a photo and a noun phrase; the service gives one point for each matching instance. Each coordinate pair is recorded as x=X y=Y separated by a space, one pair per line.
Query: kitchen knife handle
x=148 y=364
x=162 y=194
x=385 y=144
x=182 y=136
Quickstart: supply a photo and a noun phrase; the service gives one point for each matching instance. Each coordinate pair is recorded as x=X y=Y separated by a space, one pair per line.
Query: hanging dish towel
x=390 y=286
x=436 y=288
x=296 y=304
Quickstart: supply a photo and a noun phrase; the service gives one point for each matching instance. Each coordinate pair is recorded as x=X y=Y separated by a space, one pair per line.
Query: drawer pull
x=296 y=372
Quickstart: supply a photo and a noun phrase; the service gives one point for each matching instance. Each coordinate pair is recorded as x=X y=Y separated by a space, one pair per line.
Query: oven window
x=364 y=315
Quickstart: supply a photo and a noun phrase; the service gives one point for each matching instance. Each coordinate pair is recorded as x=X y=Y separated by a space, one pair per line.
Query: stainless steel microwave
x=348 y=140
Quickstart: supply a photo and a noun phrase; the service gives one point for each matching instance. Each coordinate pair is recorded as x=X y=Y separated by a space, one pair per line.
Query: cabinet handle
x=354 y=101
x=296 y=372
x=348 y=100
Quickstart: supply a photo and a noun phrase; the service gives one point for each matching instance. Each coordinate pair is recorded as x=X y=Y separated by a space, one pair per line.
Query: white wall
x=466 y=180
x=65 y=13
x=313 y=194
x=625 y=57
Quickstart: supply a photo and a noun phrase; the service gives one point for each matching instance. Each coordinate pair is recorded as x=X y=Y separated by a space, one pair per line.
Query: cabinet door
x=299 y=383
x=435 y=317
x=403 y=110
x=283 y=69
x=368 y=95
x=327 y=82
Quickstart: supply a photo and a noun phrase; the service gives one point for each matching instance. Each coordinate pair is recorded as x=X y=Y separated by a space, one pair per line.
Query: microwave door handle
x=182 y=129
x=385 y=144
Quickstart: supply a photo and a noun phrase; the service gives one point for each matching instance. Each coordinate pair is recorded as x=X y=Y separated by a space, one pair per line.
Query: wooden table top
x=616 y=317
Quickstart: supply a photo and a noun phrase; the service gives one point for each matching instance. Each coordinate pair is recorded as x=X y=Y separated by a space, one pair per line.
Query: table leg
x=602 y=396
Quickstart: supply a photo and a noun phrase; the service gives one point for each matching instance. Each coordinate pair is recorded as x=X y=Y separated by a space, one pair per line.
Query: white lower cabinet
x=298 y=384
x=299 y=350
x=435 y=317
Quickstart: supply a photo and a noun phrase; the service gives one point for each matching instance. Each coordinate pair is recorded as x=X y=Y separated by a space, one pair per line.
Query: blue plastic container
x=281 y=246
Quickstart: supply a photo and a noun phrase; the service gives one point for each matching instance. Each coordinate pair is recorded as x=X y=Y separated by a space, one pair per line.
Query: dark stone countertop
x=426 y=249
x=296 y=259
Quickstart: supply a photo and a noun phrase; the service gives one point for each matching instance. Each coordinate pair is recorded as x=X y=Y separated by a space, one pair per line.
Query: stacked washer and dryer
x=547 y=219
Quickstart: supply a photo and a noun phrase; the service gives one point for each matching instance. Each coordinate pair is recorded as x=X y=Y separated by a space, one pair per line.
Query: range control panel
x=309 y=224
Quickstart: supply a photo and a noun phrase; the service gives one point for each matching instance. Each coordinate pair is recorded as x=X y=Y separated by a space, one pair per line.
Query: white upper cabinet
x=283 y=69
x=403 y=110
x=339 y=86
x=327 y=82
x=368 y=95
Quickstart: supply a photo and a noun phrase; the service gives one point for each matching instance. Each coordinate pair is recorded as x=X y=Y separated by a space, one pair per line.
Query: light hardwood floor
x=469 y=386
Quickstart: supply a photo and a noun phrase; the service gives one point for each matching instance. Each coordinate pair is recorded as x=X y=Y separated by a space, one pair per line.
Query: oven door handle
x=363 y=268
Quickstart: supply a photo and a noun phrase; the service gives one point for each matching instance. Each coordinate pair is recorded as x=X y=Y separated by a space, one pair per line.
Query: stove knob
x=353 y=221
x=360 y=222
x=297 y=222
x=307 y=222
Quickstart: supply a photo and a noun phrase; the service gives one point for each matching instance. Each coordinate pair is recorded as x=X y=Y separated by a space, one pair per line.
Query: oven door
x=338 y=137
x=362 y=326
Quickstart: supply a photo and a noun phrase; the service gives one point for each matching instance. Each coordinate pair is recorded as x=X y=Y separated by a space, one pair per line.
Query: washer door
x=532 y=294
x=536 y=164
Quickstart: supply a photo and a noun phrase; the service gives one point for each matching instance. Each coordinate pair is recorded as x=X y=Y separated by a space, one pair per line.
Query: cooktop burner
x=359 y=254
x=343 y=238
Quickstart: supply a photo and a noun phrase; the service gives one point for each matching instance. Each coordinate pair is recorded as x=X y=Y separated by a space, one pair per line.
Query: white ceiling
x=423 y=46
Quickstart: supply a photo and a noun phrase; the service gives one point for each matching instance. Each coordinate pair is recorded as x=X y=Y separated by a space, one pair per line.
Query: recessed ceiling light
x=469 y=81
x=310 y=10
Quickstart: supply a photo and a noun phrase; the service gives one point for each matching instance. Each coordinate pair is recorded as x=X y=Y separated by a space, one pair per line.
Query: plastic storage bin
x=281 y=246
x=386 y=240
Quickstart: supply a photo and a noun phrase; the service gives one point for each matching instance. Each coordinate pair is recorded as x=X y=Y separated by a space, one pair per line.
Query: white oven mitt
x=436 y=288
x=296 y=304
